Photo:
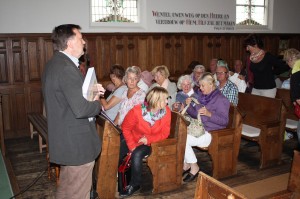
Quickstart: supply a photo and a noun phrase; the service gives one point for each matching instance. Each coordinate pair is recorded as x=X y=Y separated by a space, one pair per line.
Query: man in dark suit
x=73 y=140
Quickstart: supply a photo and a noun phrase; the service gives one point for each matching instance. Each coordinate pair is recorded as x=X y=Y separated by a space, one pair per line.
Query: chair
x=225 y=145
x=208 y=187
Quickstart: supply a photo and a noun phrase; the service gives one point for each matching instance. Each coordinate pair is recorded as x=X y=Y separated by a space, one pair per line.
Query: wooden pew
x=264 y=122
x=166 y=159
x=38 y=124
x=208 y=187
x=293 y=188
x=225 y=145
x=291 y=118
x=106 y=166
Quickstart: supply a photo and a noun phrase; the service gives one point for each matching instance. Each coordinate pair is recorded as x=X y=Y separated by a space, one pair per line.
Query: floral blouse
x=128 y=104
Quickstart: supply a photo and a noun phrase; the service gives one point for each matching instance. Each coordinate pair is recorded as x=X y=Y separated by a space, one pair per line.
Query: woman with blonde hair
x=144 y=124
x=213 y=109
x=292 y=58
x=161 y=75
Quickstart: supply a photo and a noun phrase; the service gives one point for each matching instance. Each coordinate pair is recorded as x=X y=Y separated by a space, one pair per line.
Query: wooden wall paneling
x=90 y=49
x=294 y=42
x=199 y=50
x=19 y=109
x=208 y=50
x=144 y=52
x=46 y=52
x=18 y=75
x=168 y=52
x=35 y=99
x=157 y=52
x=3 y=61
x=33 y=59
x=120 y=51
x=189 y=51
x=104 y=54
x=178 y=56
x=225 y=49
x=132 y=54
x=7 y=112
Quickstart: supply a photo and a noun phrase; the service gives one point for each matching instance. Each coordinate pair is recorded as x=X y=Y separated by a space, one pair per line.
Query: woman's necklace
x=257 y=57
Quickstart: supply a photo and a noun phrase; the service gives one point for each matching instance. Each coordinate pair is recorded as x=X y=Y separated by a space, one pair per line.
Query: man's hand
x=99 y=90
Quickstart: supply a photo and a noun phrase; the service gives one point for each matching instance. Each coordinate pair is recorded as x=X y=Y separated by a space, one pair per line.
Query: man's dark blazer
x=73 y=140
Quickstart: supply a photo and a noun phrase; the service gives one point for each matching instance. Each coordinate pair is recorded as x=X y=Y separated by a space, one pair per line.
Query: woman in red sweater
x=144 y=124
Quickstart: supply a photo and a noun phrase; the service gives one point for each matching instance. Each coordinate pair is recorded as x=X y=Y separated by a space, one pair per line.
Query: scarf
x=150 y=117
x=204 y=99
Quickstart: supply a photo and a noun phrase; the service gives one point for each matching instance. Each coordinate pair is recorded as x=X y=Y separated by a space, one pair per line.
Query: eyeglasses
x=220 y=73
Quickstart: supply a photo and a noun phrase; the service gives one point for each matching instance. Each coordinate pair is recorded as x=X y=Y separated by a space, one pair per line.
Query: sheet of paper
x=89 y=84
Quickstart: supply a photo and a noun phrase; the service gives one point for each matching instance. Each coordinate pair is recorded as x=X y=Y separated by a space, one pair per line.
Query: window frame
x=269 y=17
x=141 y=7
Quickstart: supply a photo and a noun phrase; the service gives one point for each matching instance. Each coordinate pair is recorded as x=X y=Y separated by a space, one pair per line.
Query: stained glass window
x=252 y=12
x=114 y=11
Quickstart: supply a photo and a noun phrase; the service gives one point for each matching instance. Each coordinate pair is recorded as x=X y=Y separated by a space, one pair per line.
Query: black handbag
x=124 y=173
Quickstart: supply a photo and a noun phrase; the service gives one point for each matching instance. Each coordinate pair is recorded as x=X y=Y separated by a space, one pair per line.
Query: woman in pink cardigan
x=144 y=124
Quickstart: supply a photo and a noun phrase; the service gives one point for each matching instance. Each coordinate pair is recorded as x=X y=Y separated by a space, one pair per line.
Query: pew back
x=208 y=187
x=106 y=166
x=269 y=116
x=166 y=159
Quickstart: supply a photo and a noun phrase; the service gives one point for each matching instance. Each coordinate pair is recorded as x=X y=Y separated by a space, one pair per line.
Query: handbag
x=297 y=110
x=124 y=173
x=195 y=127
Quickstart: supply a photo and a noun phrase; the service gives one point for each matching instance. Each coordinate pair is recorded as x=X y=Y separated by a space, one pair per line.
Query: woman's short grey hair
x=183 y=78
x=201 y=67
x=208 y=77
x=133 y=69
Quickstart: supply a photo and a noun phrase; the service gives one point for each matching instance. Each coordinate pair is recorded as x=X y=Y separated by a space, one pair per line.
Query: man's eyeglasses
x=220 y=73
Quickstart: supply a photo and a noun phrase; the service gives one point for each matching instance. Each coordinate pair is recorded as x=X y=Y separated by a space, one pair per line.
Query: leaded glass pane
x=258 y=2
x=114 y=11
x=242 y=2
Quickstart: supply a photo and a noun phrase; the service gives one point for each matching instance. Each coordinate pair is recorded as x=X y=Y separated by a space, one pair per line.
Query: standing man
x=227 y=88
x=73 y=140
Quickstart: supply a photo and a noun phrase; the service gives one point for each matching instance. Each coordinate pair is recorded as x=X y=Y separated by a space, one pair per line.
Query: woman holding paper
x=112 y=104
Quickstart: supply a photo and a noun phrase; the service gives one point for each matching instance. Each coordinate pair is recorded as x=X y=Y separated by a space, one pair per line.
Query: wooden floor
x=27 y=163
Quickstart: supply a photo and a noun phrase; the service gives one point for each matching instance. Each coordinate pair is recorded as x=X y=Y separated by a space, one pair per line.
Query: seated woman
x=196 y=74
x=133 y=95
x=112 y=104
x=144 y=124
x=161 y=75
x=185 y=85
x=214 y=112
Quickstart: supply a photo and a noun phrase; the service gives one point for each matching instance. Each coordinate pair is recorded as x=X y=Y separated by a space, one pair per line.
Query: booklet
x=89 y=85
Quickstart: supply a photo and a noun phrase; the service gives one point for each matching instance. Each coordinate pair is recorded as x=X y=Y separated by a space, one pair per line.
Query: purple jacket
x=218 y=105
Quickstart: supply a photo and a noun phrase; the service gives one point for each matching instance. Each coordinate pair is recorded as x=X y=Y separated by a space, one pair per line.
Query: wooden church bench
x=225 y=145
x=264 y=123
x=166 y=159
x=291 y=118
x=208 y=187
x=38 y=124
x=293 y=188
x=106 y=166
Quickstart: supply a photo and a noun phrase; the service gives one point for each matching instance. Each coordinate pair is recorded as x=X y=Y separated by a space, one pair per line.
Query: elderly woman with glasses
x=197 y=73
x=213 y=109
x=292 y=58
x=185 y=85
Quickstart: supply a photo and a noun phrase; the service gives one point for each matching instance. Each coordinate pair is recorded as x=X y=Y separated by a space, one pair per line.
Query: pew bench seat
x=38 y=124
